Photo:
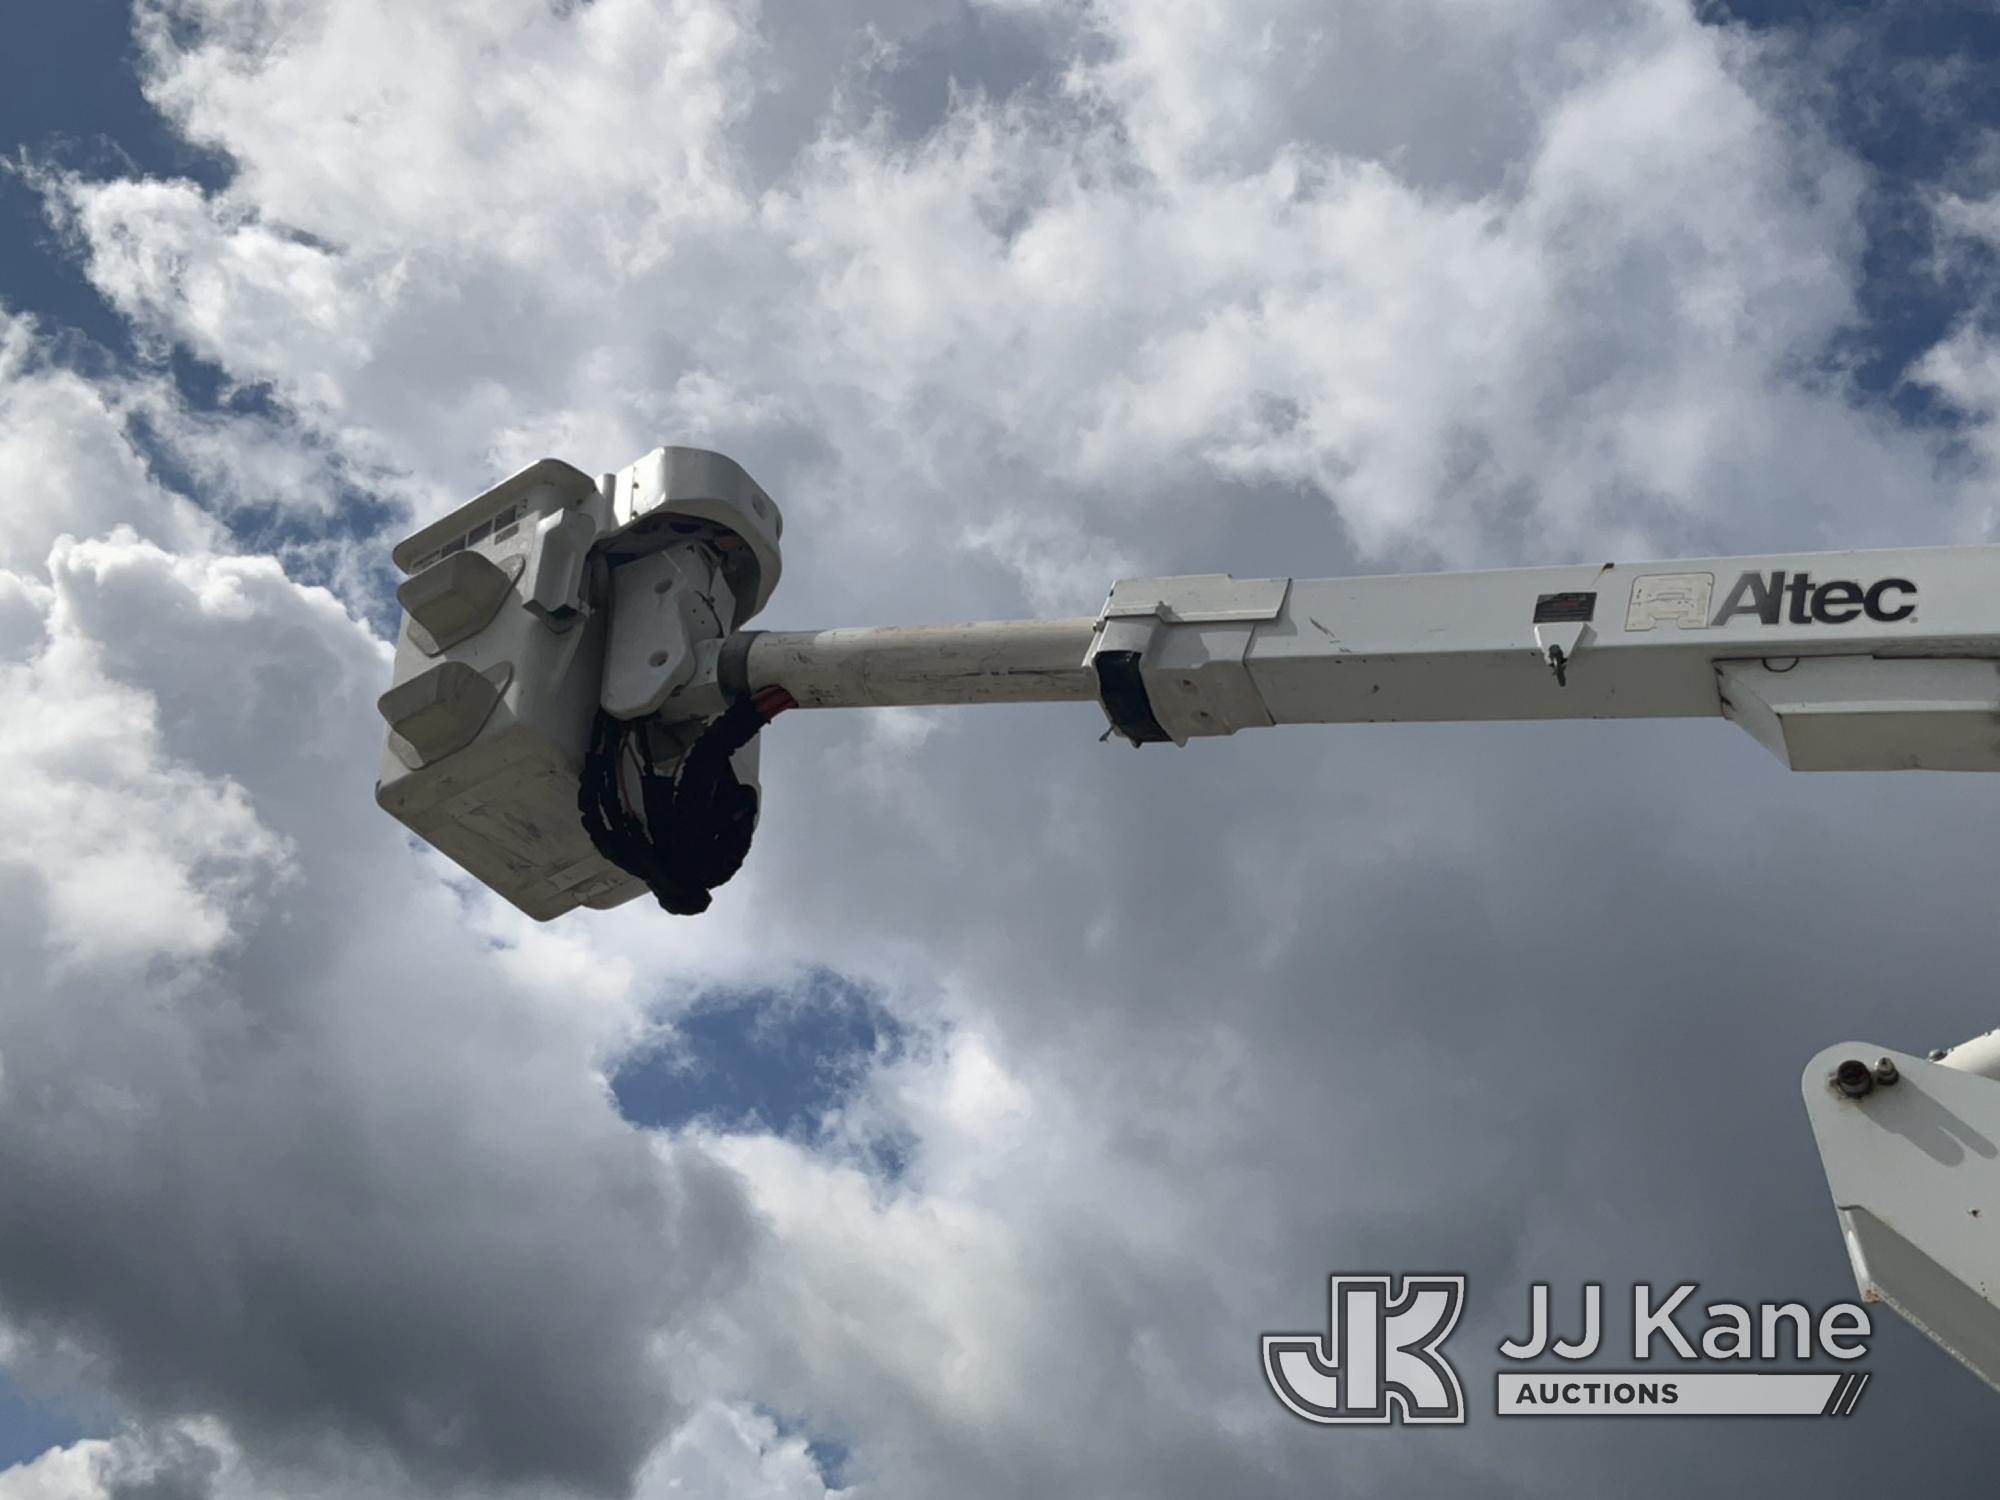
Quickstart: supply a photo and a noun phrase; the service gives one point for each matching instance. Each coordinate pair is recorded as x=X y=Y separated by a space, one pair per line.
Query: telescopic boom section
x=916 y=666
x=1835 y=661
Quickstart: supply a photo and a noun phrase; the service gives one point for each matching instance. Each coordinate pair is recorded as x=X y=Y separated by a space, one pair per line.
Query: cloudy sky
x=969 y=1143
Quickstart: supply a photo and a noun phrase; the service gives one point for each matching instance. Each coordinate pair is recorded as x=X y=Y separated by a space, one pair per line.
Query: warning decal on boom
x=1565 y=609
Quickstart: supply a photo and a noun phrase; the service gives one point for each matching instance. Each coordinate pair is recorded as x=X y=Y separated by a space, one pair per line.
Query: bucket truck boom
x=576 y=703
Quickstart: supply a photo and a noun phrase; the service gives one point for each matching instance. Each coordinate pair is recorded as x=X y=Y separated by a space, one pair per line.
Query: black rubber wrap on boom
x=1122 y=690
x=698 y=819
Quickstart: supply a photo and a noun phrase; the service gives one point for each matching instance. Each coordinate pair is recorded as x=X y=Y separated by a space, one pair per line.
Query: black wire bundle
x=697 y=821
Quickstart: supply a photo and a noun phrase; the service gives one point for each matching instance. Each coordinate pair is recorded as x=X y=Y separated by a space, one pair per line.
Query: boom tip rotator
x=558 y=724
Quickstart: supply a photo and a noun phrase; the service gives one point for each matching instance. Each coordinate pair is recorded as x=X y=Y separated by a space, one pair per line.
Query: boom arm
x=563 y=630
x=1835 y=661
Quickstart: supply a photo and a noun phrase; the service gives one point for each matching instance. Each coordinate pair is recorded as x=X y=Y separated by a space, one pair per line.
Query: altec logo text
x=1794 y=599
x=1381 y=1359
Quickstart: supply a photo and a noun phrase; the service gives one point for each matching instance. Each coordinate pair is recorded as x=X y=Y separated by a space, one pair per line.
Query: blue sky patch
x=73 y=101
x=764 y=1060
x=29 y=1428
x=829 y=1455
x=1908 y=90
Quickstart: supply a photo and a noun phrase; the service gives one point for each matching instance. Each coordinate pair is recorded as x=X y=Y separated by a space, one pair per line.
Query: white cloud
x=165 y=855
x=59 y=1474
x=67 y=464
x=719 y=1450
x=1018 y=325
x=732 y=1450
x=288 y=1138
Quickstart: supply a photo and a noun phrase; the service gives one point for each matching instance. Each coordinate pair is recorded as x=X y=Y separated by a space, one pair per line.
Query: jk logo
x=1379 y=1360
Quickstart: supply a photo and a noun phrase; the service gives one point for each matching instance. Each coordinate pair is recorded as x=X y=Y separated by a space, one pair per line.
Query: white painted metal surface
x=501 y=802
x=1861 y=713
x=1914 y=1168
x=1468 y=646
x=1981 y=1055
x=661 y=607
x=1009 y=661
x=671 y=487
x=1809 y=673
